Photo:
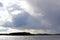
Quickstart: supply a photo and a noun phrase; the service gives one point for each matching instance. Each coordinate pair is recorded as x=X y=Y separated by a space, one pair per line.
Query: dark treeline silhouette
x=26 y=33
x=20 y=33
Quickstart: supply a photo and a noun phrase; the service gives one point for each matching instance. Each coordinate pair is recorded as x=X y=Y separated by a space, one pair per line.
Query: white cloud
x=16 y=12
x=33 y=31
x=2 y=28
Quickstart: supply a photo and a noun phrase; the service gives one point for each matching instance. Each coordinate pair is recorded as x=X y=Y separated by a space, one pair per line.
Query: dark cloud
x=50 y=20
x=1 y=4
x=51 y=9
x=20 y=19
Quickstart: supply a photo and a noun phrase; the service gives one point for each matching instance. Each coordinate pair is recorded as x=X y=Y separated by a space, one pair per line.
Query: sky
x=34 y=16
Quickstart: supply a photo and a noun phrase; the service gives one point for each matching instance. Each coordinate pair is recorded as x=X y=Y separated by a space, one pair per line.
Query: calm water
x=29 y=37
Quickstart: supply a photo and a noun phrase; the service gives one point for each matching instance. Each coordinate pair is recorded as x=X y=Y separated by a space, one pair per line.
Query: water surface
x=57 y=37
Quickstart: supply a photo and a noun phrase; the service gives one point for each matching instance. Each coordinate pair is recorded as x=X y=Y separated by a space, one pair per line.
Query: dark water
x=30 y=37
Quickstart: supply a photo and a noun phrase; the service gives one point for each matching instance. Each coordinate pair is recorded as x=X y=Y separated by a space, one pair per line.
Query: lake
x=44 y=37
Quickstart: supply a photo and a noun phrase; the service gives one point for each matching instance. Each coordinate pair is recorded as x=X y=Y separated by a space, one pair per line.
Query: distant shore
x=26 y=34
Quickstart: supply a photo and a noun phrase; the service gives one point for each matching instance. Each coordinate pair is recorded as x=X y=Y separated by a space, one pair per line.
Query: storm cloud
x=51 y=9
x=20 y=19
x=44 y=14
